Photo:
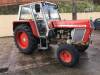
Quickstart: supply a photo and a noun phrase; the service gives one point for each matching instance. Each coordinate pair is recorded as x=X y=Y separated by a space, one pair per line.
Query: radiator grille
x=77 y=35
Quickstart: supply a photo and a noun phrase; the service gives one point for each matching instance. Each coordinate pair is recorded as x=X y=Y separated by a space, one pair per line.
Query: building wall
x=6 y=2
x=7 y=20
x=13 y=2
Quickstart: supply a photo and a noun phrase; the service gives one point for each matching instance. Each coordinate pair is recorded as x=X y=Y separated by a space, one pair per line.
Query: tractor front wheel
x=67 y=55
x=24 y=39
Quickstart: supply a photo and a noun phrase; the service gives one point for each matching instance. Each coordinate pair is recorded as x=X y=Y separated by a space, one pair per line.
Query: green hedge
x=97 y=8
x=81 y=6
x=64 y=7
x=11 y=9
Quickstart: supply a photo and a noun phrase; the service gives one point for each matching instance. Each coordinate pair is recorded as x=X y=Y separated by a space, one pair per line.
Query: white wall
x=6 y=25
x=94 y=15
x=7 y=20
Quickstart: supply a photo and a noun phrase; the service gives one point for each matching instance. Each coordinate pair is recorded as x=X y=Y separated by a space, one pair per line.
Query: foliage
x=64 y=7
x=11 y=9
x=81 y=6
x=97 y=8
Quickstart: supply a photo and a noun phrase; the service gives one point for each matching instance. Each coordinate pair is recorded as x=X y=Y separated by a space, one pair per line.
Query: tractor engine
x=63 y=35
x=67 y=36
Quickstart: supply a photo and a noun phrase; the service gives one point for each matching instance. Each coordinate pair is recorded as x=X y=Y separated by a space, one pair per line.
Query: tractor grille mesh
x=77 y=35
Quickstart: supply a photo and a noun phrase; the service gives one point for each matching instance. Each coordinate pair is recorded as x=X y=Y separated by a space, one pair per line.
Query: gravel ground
x=12 y=62
x=6 y=46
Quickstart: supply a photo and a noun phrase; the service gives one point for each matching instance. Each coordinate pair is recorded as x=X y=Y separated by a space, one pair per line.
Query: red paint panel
x=30 y=23
x=71 y=24
x=86 y=24
x=87 y=35
x=34 y=28
x=88 y=32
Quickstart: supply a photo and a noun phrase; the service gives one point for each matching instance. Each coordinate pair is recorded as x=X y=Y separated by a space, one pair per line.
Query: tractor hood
x=70 y=24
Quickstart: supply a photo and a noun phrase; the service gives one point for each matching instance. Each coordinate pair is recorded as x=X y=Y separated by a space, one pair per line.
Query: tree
x=96 y=1
x=74 y=10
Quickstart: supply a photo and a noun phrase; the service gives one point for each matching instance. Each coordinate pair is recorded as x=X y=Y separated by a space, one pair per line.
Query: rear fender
x=30 y=23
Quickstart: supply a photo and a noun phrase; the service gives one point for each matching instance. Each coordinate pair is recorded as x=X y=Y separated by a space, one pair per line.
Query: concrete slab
x=42 y=62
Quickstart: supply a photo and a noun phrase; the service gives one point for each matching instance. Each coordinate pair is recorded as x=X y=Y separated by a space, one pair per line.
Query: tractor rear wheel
x=24 y=39
x=68 y=55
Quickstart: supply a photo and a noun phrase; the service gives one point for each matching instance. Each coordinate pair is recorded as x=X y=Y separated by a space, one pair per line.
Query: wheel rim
x=22 y=39
x=66 y=56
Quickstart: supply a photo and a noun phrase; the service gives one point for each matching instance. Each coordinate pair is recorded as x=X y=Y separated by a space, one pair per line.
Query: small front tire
x=67 y=55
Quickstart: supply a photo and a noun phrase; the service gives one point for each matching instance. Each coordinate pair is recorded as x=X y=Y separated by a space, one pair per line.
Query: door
x=39 y=19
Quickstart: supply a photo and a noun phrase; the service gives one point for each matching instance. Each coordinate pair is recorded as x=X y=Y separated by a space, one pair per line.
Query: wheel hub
x=22 y=39
x=66 y=56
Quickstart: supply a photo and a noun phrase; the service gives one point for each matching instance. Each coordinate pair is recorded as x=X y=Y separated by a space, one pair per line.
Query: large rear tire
x=67 y=55
x=24 y=39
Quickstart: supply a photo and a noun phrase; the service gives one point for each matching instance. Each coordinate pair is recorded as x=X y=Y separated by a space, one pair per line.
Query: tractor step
x=43 y=43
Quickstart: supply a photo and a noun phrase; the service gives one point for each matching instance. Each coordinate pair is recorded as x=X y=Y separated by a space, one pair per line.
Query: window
x=26 y=12
x=51 y=11
x=37 y=15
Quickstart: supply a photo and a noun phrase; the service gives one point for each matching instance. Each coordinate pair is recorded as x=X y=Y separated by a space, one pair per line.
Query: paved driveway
x=12 y=62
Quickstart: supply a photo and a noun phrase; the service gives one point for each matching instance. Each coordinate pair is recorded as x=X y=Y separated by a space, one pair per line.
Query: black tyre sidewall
x=73 y=51
x=31 y=40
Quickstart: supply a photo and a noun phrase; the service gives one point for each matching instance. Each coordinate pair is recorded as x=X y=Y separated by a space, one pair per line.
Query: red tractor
x=39 y=25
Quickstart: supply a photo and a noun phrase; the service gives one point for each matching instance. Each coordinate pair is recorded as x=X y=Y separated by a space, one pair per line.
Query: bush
x=97 y=8
x=12 y=9
x=64 y=7
x=81 y=7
